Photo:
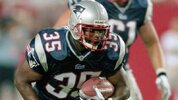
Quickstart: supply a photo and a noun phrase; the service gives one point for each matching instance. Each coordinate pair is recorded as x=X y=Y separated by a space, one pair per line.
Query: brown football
x=104 y=86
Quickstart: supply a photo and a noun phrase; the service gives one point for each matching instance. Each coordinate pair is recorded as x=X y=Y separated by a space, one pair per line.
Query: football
x=90 y=88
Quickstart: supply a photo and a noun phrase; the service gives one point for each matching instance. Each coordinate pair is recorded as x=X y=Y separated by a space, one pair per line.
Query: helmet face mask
x=88 y=24
x=91 y=36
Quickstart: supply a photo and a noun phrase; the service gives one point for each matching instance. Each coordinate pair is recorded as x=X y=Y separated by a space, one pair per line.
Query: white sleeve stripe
x=121 y=54
x=149 y=11
x=40 y=52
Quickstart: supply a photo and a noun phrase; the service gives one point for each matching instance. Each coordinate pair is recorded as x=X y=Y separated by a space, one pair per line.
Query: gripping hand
x=163 y=85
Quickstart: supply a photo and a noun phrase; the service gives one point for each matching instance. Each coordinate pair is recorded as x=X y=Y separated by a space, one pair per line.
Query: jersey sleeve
x=35 y=55
x=48 y=47
x=122 y=55
x=116 y=56
x=149 y=11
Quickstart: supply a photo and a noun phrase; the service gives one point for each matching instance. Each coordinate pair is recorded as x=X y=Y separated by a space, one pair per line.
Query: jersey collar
x=73 y=49
x=122 y=9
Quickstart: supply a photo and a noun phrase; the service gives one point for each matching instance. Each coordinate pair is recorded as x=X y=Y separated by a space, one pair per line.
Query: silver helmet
x=88 y=23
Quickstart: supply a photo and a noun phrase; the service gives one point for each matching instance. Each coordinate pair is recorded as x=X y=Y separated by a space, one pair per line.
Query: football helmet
x=88 y=23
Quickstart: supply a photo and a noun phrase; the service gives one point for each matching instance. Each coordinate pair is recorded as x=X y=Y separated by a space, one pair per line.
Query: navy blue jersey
x=126 y=20
x=64 y=69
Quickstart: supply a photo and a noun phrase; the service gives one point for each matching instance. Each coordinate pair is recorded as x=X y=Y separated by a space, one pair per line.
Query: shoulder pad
x=144 y=3
x=116 y=47
x=52 y=42
x=148 y=6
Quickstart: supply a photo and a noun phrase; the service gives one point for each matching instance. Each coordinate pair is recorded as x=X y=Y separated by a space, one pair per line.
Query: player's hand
x=98 y=96
x=163 y=85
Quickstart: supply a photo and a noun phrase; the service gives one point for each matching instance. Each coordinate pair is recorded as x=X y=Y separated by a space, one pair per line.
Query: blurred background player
x=60 y=60
x=169 y=41
x=11 y=32
x=130 y=18
x=19 y=21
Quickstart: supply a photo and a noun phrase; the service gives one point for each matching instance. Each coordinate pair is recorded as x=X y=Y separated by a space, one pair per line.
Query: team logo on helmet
x=78 y=9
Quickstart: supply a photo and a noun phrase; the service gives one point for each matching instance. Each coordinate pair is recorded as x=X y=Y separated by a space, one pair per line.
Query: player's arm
x=63 y=19
x=149 y=36
x=24 y=76
x=151 y=41
x=119 y=79
x=31 y=70
x=122 y=91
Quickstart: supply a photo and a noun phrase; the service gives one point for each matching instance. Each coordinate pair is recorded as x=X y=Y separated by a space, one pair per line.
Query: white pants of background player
x=135 y=93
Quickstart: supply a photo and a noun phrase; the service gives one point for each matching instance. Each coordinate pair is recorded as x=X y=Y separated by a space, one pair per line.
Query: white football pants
x=135 y=93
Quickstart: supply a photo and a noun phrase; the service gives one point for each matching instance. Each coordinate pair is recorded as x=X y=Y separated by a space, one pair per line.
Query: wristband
x=161 y=71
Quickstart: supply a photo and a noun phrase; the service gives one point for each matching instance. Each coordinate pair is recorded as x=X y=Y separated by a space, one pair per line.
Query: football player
x=60 y=60
x=130 y=18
